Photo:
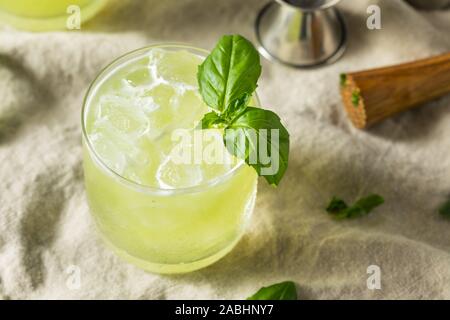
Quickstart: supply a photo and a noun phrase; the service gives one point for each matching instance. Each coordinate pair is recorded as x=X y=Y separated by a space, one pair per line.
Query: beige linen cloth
x=47 y=234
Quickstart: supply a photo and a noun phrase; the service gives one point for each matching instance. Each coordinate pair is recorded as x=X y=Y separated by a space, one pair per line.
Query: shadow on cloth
x=22 y=97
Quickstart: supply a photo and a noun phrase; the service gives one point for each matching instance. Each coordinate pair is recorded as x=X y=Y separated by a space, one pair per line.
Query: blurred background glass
x=42 y=15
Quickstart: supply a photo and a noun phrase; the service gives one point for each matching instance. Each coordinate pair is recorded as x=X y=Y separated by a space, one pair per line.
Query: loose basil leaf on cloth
x=340 y=210
x=280 y=291
x=336 y=205
x=229 y=75
x=257 y=136
x=445 y=209
x=369 y=203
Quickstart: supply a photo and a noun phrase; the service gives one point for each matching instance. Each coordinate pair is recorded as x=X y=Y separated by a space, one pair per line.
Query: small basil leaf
x=229 y=75
x=343 y=79
x=369 y=203
x=445 y=209
x=356 y=97
x=211 y=120
x=280 y=291
x=257 y=136
x=340 y=210
x=336 y=205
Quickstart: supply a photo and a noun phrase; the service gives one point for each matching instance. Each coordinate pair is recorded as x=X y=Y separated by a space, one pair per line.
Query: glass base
x=181 y=267
x=171 y=268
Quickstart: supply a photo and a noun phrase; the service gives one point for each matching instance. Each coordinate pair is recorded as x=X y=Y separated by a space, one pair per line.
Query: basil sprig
x=227 y=80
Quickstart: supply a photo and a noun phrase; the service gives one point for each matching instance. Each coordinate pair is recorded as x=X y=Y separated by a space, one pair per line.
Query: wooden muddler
x=373 y=95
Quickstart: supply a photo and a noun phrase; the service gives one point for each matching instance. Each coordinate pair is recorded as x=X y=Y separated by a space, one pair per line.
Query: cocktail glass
x=160 y=216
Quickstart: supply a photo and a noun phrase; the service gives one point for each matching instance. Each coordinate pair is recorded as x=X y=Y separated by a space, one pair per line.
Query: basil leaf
x=280 y=291
x=229 y=75
x=257 y=136
x=340 y=210
x=336 y=205
x=211 y=120
x=356 y=97
x=369 y=203
x=343 y=79
x=445 y=209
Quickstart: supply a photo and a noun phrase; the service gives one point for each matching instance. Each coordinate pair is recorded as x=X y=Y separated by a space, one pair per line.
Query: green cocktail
x=162 y=215
x=39 y=15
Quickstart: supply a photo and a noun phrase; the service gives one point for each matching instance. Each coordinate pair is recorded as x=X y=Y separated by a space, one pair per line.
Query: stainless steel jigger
x=301 y=33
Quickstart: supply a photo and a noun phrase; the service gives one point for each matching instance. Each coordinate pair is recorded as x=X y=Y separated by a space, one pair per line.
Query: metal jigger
x=301 y=33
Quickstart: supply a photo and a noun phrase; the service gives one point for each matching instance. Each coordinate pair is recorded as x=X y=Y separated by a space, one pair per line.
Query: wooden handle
x=373 y=95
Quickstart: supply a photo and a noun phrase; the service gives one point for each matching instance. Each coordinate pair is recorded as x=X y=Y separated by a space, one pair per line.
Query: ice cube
x=188 y=109
x=108 y=153
x=171 y=174
x=139 y=77
x=178 y=66
x=126 y=115
x=161 y=94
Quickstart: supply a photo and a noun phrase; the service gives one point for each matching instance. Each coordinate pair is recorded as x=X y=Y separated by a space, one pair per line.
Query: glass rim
x=105 y=73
